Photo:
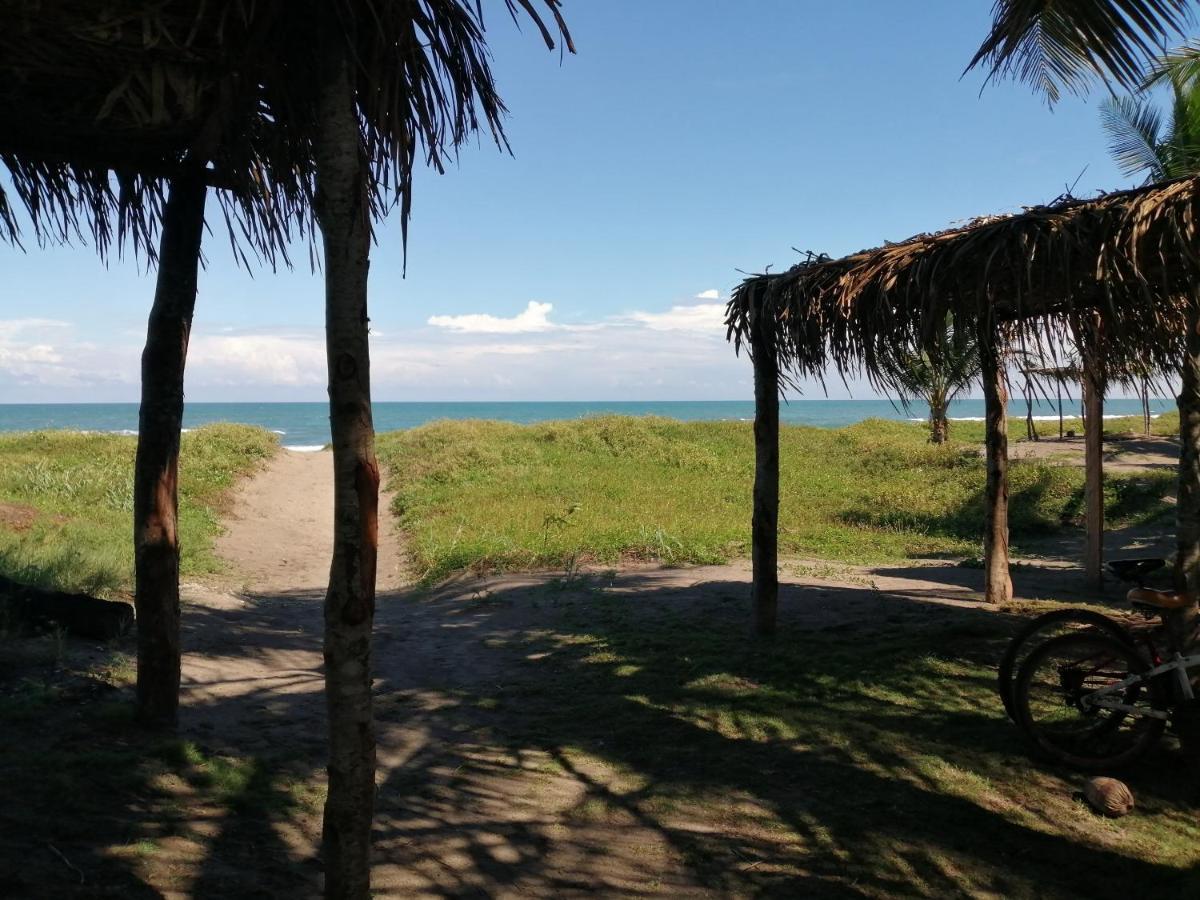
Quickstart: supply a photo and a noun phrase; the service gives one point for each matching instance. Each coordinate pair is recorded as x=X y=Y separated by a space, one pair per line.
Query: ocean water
x=306 y=425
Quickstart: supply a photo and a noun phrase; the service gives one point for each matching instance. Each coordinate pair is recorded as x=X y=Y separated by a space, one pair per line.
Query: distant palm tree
x=936 y=374
x=1144 y=141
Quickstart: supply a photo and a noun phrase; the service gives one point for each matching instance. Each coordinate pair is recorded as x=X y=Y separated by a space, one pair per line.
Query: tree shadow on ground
x=614 y=734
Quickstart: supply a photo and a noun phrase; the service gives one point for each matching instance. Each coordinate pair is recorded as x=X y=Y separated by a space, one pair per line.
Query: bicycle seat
x=1149 y=598
x=1134 y=569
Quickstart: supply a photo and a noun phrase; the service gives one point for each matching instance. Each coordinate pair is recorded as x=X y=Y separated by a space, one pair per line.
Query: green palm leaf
x=1135 y=130
x=1180 y=66
x=1066 y=44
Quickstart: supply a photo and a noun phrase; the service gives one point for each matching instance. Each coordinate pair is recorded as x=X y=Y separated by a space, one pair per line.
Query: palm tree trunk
x=343 y=211
x=156 y=469
x=939 y=424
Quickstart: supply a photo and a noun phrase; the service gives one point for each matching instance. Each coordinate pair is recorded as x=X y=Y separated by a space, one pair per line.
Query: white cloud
x=710 y=294
x=12 y=328
x=44 y=352
x=707 y=318
x=536 y=317
x=286 y=359
x=651 y=353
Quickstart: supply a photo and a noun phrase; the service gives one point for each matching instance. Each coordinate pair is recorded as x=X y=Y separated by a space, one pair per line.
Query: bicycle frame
x=1103 y=699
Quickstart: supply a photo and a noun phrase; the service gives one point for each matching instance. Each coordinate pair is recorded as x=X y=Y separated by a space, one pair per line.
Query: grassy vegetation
x=491 y=495
x=66 y=501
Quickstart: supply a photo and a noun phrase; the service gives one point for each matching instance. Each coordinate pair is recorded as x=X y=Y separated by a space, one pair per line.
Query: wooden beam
x=1093 y=460
x=764 y=530
x=997 y=582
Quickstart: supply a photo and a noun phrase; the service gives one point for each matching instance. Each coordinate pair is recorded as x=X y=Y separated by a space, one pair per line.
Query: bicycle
x=1101 y=695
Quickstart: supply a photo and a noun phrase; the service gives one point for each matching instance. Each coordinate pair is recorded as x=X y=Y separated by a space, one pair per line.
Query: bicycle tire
x=1020 y=645
x=1095 y=748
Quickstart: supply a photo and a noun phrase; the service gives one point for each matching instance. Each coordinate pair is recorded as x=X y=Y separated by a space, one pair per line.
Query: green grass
x=491 y=495
x=66 y=502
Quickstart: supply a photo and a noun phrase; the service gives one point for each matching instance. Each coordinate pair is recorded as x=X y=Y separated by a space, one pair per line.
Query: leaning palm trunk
x=156 y=469
x=342 y=211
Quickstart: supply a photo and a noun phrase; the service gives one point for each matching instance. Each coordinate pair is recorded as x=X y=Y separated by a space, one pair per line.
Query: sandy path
x=279 y=534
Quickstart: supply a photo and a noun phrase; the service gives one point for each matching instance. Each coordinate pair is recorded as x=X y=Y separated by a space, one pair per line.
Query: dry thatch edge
x=1038 y=280
x=138 y=90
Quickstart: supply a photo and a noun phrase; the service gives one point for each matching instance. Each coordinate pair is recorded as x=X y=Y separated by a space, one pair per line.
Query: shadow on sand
x=618 y=734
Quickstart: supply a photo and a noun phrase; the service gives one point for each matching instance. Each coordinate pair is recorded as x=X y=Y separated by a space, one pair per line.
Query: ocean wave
x=304 y=448
x=127 y=432
x=278 y=431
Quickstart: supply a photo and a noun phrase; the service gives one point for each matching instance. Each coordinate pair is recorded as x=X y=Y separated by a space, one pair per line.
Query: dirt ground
x=493 y=822
x=1120 y=455
x=252 y=681
x=466 y=809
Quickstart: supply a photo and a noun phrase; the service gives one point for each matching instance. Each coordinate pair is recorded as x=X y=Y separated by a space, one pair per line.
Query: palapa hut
x=1116 y=276
x=118 y=119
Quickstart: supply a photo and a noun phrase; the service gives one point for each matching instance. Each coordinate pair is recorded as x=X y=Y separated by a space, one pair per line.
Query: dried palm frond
x=1037 y=279
x=103 y=102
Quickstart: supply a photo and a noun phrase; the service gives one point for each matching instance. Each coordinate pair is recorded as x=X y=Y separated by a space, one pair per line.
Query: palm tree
x=1068 y=44
x=935 y=373
x=1142 y=142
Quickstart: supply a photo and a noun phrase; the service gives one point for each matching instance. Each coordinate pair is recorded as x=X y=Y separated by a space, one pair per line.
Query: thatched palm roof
x=138 y=88
x=1037 y=276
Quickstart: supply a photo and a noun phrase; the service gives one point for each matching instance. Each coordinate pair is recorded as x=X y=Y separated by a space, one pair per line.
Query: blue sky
x=686 y=140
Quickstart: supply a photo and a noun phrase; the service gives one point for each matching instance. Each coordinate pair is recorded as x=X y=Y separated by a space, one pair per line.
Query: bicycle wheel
x=1060 y=621
x=1051 y=700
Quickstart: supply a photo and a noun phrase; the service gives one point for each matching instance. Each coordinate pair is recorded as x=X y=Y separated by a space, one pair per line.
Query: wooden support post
x=997 y=582
x=156 y=466
x=765 y=526
x=1187 y=509
x=1093 y=490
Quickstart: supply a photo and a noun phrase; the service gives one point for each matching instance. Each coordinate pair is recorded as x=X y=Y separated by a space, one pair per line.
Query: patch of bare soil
x=17 y=516
x=1131 y=454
